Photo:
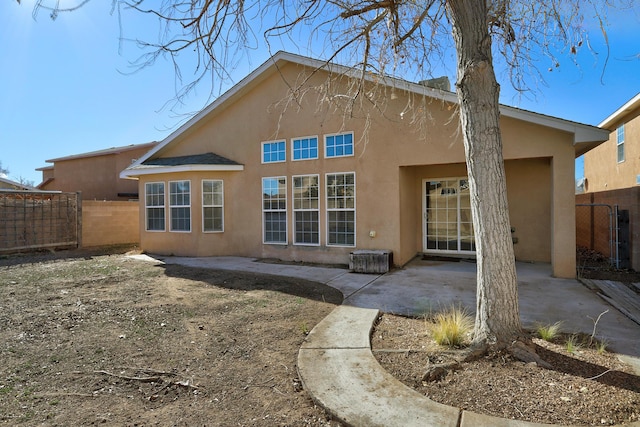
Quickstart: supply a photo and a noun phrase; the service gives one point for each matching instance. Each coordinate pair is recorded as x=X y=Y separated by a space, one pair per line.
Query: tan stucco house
x=96 y=174
x=616 y=163
x=284 y=165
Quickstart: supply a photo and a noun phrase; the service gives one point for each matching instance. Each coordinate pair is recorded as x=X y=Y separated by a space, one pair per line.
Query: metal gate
x=36 y=220
x=604 y=229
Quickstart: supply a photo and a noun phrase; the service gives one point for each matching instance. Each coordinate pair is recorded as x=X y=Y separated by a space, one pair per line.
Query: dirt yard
x=101 y=339
x=586 y=387
x=95 y=339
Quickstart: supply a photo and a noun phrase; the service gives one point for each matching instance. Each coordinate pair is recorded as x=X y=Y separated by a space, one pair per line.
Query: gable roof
x=196 y=162
x=629 y=106
x=585 y=137
x=197 y=159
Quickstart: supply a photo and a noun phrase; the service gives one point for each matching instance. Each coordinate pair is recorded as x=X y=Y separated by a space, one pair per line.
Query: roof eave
x=585 y=136
x=135 y=172
x=629 y=106
x=104 y=152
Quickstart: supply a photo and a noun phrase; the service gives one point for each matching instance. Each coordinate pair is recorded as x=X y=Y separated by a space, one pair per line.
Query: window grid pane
x=620 y=143
x=448 y=216
x=212 y=205
x=306 y=208
x=274 y=207
x=273 y=152
x=180 y=204
x=305 y=148
x=339 y=145
x=155 y=208
x=341 y=207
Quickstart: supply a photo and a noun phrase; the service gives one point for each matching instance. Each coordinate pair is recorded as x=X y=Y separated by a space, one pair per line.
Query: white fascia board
x=215 y=104
x=133 y=173
x=581 y=132
x=630 y=105
x=280 y=57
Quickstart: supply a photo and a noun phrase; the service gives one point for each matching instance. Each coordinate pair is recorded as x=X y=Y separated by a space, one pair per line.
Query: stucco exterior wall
x=601 y=167
x=96 y=177
x=110 y=223
x=391 y=160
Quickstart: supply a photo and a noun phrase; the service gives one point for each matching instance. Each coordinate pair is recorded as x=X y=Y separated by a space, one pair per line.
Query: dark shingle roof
x=195 y=159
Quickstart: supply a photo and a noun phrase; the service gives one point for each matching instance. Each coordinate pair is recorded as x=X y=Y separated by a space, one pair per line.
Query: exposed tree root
x=520 y=349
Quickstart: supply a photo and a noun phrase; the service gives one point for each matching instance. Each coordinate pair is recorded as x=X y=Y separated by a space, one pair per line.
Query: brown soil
x=102 y=339
x=585 y=387
x=98 y=338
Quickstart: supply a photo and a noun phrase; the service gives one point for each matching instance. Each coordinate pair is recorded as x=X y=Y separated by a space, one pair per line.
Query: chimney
x=441 y=83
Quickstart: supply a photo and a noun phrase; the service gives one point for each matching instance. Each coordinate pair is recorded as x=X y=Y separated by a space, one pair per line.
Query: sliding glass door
x=447 y=225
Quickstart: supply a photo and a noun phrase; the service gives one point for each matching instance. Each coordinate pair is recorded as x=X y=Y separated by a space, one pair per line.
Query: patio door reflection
x=448 y=226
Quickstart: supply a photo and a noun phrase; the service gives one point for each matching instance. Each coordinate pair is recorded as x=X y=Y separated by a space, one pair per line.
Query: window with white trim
x=212 y=205
x=154 y=206
x=274 y=209
x=338 y=145
x=620 y=143
x=341 y=209
x=305 y=148
x=274 y=152
x=306 y=210
x=180 y=205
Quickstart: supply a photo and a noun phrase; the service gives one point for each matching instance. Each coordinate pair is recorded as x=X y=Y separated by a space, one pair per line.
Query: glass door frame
x=425 y=219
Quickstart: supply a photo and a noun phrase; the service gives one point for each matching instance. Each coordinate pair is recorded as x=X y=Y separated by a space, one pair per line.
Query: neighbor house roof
x=107 y=151
x=7 y=184
x=585 y=137
x=620 y=113
x=196 y=162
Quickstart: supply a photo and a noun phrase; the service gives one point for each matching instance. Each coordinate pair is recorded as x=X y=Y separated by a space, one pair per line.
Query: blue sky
x=67 y=86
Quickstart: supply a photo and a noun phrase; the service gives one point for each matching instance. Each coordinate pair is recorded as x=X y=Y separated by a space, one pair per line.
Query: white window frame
x=430 y=215
x=326 y=148
x=277 y=209
x=297 y=209
x=620 y=143
x=270 y=143
x=340 y=209
x=163 y=206
x=213 y=204
x=181 y=206
x=302 y=138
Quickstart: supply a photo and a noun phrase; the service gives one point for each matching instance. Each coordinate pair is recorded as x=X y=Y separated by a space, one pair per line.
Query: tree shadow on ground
x=245 y=281
x=581 y=368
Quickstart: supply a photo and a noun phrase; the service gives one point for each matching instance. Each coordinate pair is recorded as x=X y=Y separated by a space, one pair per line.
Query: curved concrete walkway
x=341 y=374
x=339 y=371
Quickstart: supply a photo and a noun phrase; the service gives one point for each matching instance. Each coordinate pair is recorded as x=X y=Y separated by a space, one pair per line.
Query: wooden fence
x=37 y=220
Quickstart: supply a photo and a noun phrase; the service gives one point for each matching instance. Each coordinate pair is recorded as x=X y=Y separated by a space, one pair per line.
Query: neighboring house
x=608 y=217
x=7 y=184
x=259 y=174
x=96 y=174
x=616 y=163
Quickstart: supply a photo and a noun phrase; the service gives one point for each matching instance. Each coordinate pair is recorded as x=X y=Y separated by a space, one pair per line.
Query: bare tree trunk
x=497 y=313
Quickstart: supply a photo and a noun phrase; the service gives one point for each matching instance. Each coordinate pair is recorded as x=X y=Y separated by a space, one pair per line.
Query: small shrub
x=601 y=347
x=549 y=332
x=451 y=327
x=572 y=345
x=304 y=328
